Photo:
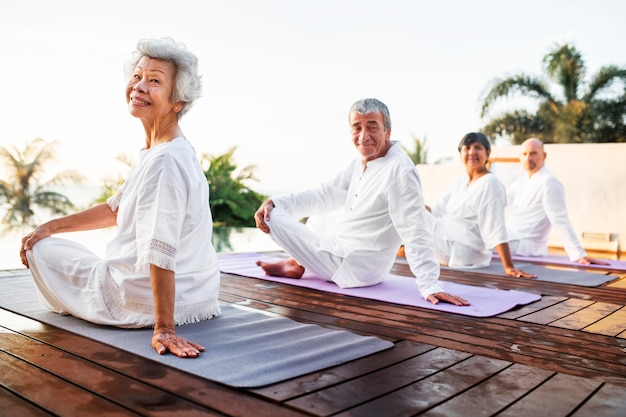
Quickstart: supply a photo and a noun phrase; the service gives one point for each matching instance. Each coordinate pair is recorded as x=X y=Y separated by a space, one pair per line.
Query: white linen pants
x=453 y=253
x=302 y=242
x=69 y=279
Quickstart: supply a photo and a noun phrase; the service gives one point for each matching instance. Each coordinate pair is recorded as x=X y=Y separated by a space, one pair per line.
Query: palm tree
x=419 y=153
x=232 y=202
x=24 y=190
x=569 y=111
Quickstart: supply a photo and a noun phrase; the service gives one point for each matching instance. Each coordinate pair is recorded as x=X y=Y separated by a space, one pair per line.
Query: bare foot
x=286 y=268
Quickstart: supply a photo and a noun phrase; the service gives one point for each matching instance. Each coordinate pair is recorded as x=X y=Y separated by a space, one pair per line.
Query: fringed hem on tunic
x=142 y=266
x=157 y=253
x=136 y=314
x=114 y=201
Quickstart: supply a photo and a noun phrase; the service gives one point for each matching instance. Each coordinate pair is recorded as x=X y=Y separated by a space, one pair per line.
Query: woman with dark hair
x=468 y=221
x=160 y=269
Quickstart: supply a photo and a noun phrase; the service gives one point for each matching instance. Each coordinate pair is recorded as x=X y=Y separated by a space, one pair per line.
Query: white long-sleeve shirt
x=537 y=203
x=470 y=218
x=380 y=208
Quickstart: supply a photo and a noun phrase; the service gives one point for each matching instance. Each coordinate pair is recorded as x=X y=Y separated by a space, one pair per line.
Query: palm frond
x=517 y=126
x=525 y=85
x=25 y=188
x=595 y=116
x=604 y=80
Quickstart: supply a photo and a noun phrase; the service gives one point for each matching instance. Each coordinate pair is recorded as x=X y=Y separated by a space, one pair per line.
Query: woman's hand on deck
x=518 y=273
x=448 y=298
x=168 y=341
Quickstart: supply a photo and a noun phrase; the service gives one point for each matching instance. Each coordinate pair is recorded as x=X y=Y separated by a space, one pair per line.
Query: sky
x=280 y=75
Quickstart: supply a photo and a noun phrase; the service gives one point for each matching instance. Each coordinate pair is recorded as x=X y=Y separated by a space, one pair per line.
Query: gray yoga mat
x=544 y=273
x=243 y=348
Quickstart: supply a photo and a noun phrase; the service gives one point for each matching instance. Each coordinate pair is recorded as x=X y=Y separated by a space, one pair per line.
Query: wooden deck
x=562 y=356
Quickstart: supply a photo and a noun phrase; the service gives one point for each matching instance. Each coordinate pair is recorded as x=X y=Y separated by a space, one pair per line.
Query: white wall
x=594 y=177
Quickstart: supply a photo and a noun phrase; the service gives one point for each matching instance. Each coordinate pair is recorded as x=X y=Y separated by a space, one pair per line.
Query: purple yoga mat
x=396 y=289
x=563 y=260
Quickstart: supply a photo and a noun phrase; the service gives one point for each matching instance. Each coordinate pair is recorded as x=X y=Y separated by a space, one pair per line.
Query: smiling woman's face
x=474 y=156
x=149 y=90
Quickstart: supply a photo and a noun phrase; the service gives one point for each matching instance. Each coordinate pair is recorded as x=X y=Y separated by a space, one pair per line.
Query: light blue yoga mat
x=243 y=348
x=485 y=302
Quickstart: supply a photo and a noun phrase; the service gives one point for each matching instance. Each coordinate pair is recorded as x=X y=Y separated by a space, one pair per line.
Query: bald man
x=537 y=204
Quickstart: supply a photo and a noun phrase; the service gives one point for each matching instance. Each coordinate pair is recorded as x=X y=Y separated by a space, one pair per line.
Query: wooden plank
x=558 y=396
x=351 y=393
x=542 y=354
x=118 y=389
x=620 y=282
x=52 y=393
x=432 y=390
x=586 y=316
x=557 y=311
x=338 y=374
x=545 y=302
x=609 y=401
x=611 y=325
x=494 y=394
x=17 y=406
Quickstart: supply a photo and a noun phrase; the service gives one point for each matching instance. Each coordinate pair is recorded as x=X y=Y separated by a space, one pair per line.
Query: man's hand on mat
x=167 y=340
x=589 y=261
x=518 y=273
x=448 y=298
x=263 y=214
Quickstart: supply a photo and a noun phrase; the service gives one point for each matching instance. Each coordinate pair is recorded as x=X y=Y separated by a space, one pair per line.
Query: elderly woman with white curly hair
x=161 y=268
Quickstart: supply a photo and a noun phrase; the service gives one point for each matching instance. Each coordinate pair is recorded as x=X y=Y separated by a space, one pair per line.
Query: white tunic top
x=380 y=208
x=471 y=219
x=164 y=219
x=536 y=204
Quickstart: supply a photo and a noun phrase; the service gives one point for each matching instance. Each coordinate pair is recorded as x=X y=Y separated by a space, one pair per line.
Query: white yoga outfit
x=469 y=222
x=163 y=219
x=367 y=214
x=536 y=205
